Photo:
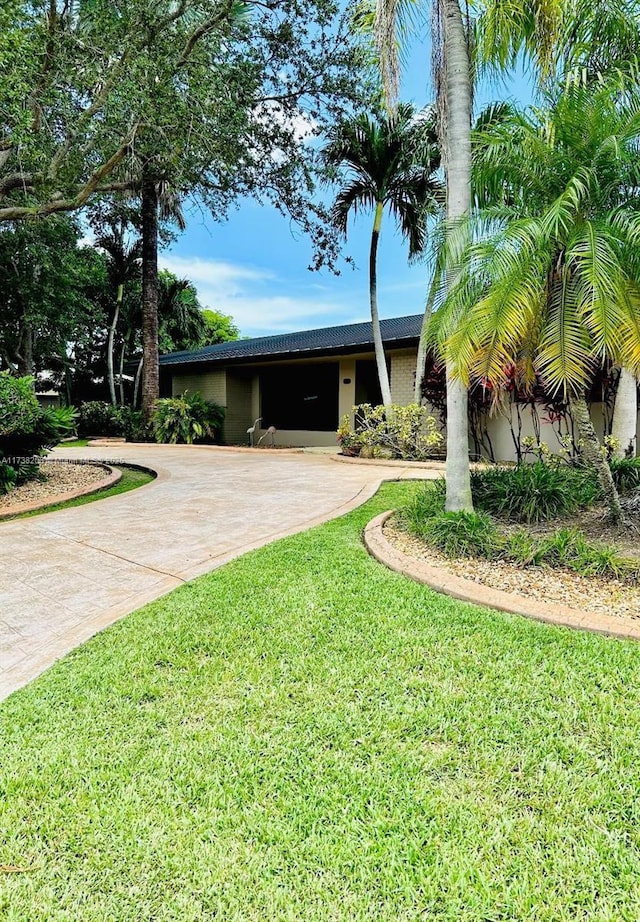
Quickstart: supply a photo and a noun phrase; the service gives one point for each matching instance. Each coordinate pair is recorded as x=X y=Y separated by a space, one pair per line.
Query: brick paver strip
x=113 y=476
x=469 y=591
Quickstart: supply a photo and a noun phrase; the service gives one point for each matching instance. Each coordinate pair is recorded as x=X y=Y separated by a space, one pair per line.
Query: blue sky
x=254 y=265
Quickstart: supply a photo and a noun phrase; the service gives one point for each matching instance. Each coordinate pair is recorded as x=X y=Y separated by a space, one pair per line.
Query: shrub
x=26 y=429
x=456 y=534
x=19 y=407
x=186 y=419
x=626 y=474
x=408 y=433
x=533 y=492
x=97 y=417
x=424 y=505
x=7 y=477
x=569 y=548
x=135 y=428
x=464 y=534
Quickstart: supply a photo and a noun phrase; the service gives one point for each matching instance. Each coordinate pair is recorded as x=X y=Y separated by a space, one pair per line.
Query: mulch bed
x=589 y=594
x=57 y=478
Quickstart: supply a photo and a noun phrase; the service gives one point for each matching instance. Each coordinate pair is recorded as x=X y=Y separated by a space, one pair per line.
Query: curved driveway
x=66 y=575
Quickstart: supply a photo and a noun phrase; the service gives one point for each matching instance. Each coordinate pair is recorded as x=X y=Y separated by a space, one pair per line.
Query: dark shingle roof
x=396 y=331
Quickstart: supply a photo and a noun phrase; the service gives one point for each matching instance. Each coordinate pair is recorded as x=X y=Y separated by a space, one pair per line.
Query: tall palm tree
x=551 y=281
x=387 y=162
x=124 y=266
x=532 y=27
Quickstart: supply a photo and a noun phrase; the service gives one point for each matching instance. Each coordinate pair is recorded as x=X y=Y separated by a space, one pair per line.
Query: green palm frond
x=391 y=159
x=599 y=283
x=565 y=356
x=629 y=355
x=351 y=198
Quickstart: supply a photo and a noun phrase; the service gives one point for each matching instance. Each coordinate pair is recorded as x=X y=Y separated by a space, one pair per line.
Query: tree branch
x=84 y=193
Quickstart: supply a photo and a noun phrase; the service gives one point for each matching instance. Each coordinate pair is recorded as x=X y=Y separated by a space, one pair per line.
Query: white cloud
x=253 y=296
x=212 y=272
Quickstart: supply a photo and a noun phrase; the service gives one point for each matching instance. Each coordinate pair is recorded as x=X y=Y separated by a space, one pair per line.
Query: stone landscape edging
x=113 y=477
x=469 y=591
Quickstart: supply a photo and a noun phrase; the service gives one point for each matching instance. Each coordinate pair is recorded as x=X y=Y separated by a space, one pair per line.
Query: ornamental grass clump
x=468 y=535
x=534 y=492
x=626 y=474
x=455 y=534
x=569 y=548
x=405 y=433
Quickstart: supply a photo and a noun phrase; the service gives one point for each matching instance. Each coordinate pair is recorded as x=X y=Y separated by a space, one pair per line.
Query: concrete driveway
x=66 y=575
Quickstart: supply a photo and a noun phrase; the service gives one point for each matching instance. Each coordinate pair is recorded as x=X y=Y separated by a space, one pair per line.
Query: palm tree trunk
x=136 y=383
x=112 y=333
x=592 y=452
x=625 y=414
x=381 y=362
x=457 y=151
x=150 y=365
x=121 y=373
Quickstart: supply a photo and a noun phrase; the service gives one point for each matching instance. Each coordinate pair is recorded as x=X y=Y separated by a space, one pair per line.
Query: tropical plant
x=404 y=432
x=505 y=31
x=386 y=162
x=97 y=417
x=124 y=257
x=186 y=419
x=534 y=492
x=550 y=279
x=27 y=430
x=182 y=324
x=626 y=474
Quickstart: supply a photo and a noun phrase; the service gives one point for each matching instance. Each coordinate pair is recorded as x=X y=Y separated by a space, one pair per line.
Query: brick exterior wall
x=212 y=385
x=403 y=370
x=238 y=418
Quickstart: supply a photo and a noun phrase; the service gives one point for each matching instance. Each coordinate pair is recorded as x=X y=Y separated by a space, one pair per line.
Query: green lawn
x=304 y=735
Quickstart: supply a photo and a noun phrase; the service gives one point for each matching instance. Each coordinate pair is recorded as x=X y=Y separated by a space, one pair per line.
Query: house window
x=300 y=396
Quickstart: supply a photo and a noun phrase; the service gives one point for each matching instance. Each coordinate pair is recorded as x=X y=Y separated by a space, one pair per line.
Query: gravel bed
x=59 y=477
x=587 y=594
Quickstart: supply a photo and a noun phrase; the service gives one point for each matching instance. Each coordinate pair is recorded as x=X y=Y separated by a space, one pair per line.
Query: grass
x=74 y=443
x=131 y=479
x=304 y=735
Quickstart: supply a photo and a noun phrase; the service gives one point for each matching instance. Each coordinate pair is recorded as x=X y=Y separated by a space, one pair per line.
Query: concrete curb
x=113 y=477
x=391 y=462
x=468 y=591
x=121 y=443
x=439 y=466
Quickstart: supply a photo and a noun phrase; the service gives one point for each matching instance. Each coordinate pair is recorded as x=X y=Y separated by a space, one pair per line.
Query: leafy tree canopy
x=212 y=96
x=220 y=328
x=52 y=288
